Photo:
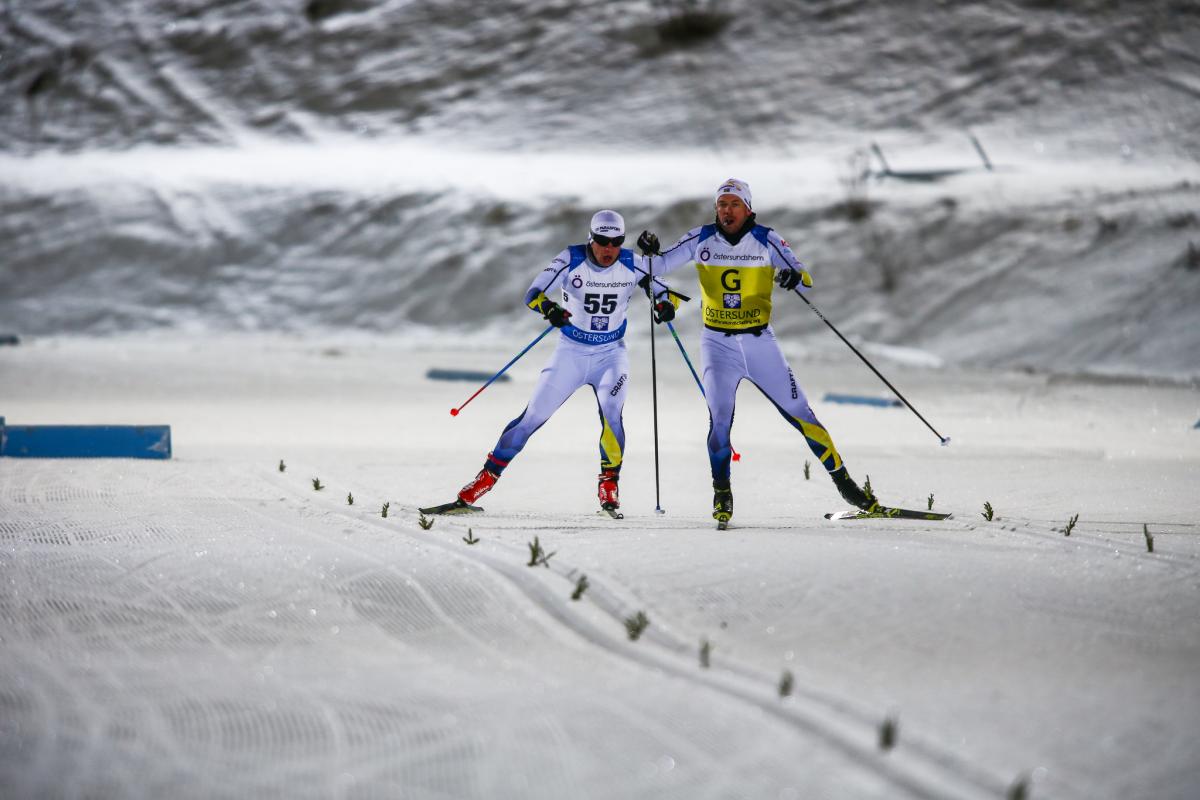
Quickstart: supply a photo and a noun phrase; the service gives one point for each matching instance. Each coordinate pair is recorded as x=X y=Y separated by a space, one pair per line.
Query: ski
x=722 y=521
x=885 y=512
x=611 y=510
x=457 y=507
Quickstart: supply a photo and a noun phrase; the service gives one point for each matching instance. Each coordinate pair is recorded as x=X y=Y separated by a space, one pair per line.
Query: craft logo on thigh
x=599 y=323
x=733 y=301
x=617 y=387
x=795 y=391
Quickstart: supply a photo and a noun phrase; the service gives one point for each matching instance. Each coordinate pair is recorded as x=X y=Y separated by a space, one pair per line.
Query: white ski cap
x=607 y=223
x=737 y=188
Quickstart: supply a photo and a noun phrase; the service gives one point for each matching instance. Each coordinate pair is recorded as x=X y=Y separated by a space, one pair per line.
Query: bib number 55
x=599 y=303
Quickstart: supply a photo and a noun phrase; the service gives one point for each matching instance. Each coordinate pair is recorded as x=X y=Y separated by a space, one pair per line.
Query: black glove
x=664 y=311
x=648 y=243
x=556 y=315
x=790 y=278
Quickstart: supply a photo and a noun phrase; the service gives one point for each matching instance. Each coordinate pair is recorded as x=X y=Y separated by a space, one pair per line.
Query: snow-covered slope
x=405 y=167
x=1040 y=266
x=521 y=73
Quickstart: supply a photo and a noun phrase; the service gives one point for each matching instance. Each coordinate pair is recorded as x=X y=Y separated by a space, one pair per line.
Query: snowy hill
x=520 y=73
x=403 y=167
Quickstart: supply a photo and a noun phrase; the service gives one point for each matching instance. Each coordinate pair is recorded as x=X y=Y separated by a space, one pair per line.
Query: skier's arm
x=658 y=264
x=661 y=298
x=790 y=272
x=547 y=282
x=678 y=254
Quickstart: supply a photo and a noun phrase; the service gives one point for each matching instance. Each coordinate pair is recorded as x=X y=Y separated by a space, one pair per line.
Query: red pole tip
x=737 y=456
x=454 y=412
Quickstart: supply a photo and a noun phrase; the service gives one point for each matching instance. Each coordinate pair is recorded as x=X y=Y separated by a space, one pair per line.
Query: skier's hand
x=790 y=278
x=648 y=243
x=557 y=316
x=664 y=311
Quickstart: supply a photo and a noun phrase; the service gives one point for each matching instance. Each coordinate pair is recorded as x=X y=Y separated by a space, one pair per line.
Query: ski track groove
x=68 y=614
x=843 y=735
x=1080 y=539
x=581 y=644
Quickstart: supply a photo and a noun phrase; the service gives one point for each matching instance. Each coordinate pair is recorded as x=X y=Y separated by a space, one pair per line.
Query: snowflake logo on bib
x=733 y=301
x=599 y=323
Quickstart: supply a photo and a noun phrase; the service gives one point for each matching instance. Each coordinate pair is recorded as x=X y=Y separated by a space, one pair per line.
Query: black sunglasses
x=608 y=241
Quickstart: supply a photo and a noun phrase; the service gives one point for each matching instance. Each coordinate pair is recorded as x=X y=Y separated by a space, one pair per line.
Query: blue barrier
x=462 y=375
x=85 y=441
x=862 y=400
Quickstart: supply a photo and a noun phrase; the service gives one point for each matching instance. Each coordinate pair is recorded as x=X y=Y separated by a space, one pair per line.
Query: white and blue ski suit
x=736 y=278
x=591 y=349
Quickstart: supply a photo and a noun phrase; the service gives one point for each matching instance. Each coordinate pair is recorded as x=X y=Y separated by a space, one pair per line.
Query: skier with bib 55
x=739 y=261
x=585 y=293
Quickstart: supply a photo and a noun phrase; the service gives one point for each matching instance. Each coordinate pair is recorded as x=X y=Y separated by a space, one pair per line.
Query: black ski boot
x=722 y=504
x=850 y=491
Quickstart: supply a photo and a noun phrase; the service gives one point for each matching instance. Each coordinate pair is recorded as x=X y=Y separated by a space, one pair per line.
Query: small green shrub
x=635 y=625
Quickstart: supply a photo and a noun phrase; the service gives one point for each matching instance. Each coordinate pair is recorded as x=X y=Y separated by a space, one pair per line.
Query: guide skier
x=585 y=293
x=739 y=261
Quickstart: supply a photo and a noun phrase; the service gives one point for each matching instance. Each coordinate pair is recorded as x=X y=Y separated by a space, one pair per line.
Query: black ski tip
x=456 y=507
x=611 y=510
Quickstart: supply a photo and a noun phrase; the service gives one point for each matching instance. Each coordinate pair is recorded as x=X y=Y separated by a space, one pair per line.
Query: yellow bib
x=736 y=298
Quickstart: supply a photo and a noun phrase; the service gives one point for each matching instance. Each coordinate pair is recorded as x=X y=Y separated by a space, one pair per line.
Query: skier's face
x=731 y=213
x=605 y=254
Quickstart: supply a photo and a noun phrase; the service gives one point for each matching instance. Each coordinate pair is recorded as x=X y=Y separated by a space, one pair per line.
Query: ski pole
x=736 y=455
x=654 y=361
x=528 y=347
x=658 y=509
x=945 y=440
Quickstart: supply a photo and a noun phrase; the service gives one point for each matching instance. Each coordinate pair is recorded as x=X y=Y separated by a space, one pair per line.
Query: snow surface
x=211 y=626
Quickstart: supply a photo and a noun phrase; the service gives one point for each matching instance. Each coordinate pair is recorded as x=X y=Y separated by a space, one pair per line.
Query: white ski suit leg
x=573 y=365
x=724 y=367
x=609 y=378
x=729 y=359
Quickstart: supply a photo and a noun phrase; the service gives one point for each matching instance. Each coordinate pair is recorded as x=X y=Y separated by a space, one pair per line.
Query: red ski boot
x=607 y=492
x=474 y=490
x=477 y=488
